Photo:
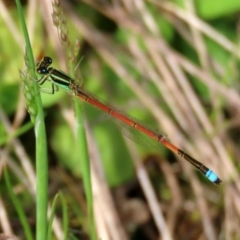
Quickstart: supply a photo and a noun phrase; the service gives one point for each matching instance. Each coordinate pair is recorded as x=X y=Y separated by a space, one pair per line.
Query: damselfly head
x=45 y=63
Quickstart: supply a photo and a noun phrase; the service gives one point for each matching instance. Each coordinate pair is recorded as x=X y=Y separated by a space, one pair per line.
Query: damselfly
x=60 y=79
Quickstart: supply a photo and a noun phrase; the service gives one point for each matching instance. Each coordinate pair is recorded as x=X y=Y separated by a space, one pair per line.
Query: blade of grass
x=18 y=207
x=65 y=216
x=23 y=129
x=84 y=158
x=81 y=142
x=85 y=164
x=40 y=133
x=60 y=23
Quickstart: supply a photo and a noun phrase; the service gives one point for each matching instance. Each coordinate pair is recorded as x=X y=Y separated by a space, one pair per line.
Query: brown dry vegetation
x=159 y=58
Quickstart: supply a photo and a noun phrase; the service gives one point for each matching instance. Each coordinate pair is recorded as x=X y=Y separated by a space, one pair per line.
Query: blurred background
x=173 y=65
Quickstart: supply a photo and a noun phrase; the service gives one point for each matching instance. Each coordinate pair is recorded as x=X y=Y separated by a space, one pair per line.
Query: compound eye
x=42 y=70
x=48 y=59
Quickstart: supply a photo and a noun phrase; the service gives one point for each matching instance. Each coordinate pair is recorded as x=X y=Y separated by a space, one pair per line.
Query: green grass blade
x=85 y=164
x=51 y=218
x=18 y=207
x=40 y=133
x=23 y=129
x=60 y=23
x=64 y=213
x=65 y=217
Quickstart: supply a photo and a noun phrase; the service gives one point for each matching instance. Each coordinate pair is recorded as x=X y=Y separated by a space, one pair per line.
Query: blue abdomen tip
x=211 y=176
